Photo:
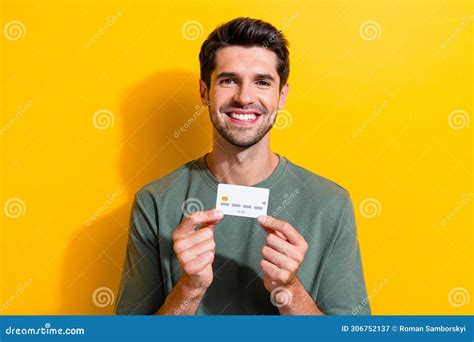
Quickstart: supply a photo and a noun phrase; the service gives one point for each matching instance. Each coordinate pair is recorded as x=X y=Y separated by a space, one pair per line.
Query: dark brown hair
x=245 y=32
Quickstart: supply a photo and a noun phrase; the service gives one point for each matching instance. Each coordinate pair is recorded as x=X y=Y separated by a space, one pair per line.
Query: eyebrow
x=233 y=74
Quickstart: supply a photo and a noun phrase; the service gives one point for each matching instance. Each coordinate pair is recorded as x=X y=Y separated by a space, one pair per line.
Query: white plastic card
x=239 y=200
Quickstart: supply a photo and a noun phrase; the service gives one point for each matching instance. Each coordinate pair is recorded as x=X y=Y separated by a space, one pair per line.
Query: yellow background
x=369 y=110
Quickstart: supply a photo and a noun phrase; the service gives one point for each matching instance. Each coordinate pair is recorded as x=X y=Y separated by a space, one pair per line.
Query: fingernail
x=219 y=214
x=262 y=219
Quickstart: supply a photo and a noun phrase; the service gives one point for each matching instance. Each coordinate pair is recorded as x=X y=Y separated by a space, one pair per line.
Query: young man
x=302 y=259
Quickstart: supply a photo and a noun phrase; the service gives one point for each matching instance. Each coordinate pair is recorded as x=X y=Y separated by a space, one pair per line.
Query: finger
x=277 y=275
x=200 y=262
x=198 y=249
x=282 y=246
x=198 y=217
x=274 y=232
x=279 y=260
x=211 y=224
x=290 y=233
x=270 y=269
x=193 y=239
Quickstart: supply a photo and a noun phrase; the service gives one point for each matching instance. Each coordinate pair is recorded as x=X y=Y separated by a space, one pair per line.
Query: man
x=303 y=258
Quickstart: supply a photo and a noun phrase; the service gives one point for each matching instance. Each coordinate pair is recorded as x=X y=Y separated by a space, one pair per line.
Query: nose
x=243 y=94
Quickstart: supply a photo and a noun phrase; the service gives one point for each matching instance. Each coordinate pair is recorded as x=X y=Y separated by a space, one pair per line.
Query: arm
x=184 y=299
x=283 y=254
x=195 y=250
x=342 y=288
x=301 y=302
x=141 y=286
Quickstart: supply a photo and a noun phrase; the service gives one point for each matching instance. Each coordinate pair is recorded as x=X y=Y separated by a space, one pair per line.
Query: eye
x=263 y=83
x=227 y=81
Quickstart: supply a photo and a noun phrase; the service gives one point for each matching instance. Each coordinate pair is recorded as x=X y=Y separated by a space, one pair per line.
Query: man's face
x=244 y=96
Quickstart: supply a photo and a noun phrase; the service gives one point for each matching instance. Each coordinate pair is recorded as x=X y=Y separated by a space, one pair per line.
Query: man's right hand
x=195 y=249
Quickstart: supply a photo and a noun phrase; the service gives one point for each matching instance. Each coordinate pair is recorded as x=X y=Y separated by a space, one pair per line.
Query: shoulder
x=327 y=202
x=317 y=187
x=169 y=183
x=321 y=198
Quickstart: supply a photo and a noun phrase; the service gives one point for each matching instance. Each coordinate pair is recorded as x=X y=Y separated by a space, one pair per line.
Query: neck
x=242 y=166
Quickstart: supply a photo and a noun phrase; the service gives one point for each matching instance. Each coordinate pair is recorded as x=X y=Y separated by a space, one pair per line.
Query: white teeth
x=243 y=117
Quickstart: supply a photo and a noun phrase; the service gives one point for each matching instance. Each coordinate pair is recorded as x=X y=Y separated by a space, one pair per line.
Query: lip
x=243 y=111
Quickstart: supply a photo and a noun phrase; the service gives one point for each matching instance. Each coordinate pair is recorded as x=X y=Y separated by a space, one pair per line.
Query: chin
x=242 y=144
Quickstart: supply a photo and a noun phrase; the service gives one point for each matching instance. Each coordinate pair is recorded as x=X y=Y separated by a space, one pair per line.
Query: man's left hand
x=283 y=253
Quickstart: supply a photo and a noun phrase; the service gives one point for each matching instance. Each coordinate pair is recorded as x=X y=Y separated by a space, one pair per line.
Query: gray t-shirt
x=318 y=208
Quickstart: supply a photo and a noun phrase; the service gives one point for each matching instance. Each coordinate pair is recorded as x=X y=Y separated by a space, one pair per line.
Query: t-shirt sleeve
x=342 y=289
x=141 y=284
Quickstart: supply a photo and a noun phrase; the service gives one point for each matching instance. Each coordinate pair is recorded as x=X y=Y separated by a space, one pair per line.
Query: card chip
x=225 y=198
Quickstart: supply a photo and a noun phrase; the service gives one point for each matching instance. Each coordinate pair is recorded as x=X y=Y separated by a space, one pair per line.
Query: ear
x=203 y=91
x=283 y=95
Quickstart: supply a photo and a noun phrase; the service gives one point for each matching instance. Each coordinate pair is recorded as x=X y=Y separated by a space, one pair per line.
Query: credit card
x=244 y=201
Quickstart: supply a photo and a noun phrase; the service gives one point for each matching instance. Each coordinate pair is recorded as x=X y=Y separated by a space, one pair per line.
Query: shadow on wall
x=151 y=114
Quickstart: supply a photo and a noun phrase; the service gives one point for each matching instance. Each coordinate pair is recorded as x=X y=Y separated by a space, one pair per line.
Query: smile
x=243 y=118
